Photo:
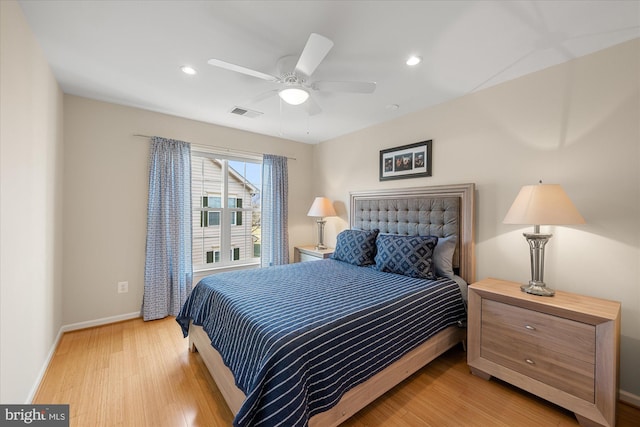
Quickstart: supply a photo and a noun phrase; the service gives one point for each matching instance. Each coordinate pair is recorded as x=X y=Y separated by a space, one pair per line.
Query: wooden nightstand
x=563 y=348
x=310 y=253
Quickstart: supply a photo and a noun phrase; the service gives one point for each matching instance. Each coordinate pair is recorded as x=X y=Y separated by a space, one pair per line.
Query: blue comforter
x=299 y=336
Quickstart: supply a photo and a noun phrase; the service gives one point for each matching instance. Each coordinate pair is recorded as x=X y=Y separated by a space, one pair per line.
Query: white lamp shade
x=294 y=95
x=321 y=207
x=543 y=204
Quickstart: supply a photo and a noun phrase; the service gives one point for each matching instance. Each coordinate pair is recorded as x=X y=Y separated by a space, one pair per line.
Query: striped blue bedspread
x=298 y=336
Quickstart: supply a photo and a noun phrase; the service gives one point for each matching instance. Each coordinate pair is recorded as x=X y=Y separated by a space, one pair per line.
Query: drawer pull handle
x=529 y=327
x=530 y=362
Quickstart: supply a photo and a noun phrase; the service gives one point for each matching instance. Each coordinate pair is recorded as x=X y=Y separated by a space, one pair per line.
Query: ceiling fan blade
x=241 y=69
x=263 y=96
x=351 y=87
x=311 y=107
x=313 y=53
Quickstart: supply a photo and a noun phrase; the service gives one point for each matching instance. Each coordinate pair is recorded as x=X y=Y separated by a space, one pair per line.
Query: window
x=211 y=218
x=226 y=210
x=213 y=256
x=235 y=202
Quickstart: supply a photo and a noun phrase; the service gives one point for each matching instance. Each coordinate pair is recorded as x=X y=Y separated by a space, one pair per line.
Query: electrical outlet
x=123 y=287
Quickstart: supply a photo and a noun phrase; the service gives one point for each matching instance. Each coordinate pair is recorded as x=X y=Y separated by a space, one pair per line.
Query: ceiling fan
x=296 y=88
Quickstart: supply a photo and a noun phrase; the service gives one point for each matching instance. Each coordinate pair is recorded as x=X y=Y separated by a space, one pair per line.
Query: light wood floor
x=141 y=374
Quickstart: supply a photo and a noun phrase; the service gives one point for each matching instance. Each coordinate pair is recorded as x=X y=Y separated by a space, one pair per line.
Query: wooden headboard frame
x=440 y=210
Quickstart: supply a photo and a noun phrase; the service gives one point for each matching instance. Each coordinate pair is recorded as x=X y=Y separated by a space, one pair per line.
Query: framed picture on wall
x=407 y=161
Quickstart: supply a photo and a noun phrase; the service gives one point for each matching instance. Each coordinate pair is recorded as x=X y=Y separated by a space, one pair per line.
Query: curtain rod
x=228 y=150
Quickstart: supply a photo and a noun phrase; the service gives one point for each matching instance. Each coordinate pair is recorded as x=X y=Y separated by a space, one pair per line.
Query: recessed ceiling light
x=414 y=60
x=392 y=107
x=188 y=70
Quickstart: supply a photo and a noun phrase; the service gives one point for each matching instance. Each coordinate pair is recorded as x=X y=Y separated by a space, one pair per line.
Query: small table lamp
x=545 y=204
x=321 y=208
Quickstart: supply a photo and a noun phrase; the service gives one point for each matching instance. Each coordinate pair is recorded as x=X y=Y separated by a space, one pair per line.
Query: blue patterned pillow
x=357 y=247
x=408 y=255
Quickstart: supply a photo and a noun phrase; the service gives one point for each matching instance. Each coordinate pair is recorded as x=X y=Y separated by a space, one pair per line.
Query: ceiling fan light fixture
x=293 y=95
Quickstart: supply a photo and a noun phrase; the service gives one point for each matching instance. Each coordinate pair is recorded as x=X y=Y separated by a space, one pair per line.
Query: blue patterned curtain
x=168 y=265
x=274 y=223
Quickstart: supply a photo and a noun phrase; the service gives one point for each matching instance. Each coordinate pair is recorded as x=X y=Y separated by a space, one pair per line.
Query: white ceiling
x=130 y=52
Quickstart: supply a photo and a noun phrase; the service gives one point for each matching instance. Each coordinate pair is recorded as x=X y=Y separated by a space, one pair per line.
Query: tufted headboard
x=442 y=211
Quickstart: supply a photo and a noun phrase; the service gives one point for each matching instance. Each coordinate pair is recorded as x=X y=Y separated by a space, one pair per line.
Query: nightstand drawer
x=565 y=336
x=306 y=257
x=551 y=349
x=310 y=253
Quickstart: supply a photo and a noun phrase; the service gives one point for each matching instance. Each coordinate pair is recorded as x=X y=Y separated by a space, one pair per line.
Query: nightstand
x=564 y=348
x=310 y=253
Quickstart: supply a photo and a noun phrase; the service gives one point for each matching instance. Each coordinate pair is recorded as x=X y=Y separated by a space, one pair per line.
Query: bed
x=318 y=355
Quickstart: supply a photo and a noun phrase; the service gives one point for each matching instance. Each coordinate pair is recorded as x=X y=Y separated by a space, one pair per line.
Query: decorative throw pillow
x=408 y=255
x=357 y=247
x=443 y=256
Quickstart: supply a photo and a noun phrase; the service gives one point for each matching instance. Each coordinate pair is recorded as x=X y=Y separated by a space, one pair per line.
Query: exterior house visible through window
x=226 y=210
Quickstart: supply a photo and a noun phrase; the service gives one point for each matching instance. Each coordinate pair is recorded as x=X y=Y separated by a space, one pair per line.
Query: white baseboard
x=630 y=398
x=99 y=322
x=68 y=328
x=43 y=370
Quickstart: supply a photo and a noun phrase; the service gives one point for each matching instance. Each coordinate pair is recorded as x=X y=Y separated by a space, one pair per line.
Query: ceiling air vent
x=246 y=112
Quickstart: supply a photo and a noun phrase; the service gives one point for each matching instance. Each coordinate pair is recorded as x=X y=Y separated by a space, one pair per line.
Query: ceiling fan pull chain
x=280 y=104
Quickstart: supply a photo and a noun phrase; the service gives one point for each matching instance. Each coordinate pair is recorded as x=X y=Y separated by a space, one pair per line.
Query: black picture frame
x=407 y=161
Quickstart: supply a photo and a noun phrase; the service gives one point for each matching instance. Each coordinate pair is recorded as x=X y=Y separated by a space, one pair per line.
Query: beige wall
x=106 y=185
x=30 y=208
x=576 y=124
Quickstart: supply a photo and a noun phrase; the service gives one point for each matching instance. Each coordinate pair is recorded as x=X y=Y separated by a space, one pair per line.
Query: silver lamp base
x=537 y=242
x=538 y=289
x=321 y=246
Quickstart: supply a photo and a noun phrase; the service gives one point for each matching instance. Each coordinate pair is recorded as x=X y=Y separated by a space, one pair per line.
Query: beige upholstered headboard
x=441 y=211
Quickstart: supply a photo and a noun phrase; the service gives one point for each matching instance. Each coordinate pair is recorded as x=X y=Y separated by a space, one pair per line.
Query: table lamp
x=541 y=204
x=321 y=207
